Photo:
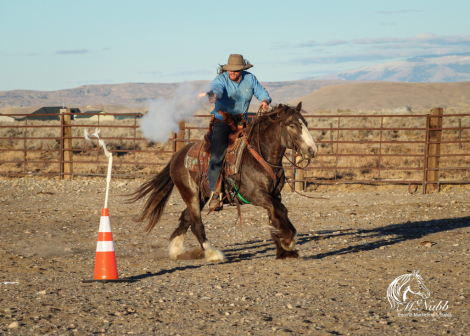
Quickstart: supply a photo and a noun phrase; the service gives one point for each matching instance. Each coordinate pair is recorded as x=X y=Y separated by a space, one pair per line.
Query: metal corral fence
x=426 y=149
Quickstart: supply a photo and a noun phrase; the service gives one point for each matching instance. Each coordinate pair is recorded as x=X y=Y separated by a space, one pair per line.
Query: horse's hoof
x=214 y=255
x=290 y=247
x=287 y=254
x=176 y=247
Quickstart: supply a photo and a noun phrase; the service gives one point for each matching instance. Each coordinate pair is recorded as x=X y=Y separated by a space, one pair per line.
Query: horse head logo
x=399 y=290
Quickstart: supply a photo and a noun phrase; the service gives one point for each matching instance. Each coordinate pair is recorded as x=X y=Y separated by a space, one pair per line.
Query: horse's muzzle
x=312 y=152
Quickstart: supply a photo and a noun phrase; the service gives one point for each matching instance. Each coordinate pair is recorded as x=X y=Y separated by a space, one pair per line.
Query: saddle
x=197 y=158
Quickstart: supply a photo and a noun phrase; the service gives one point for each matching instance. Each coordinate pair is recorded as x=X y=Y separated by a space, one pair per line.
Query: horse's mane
x=277 y=114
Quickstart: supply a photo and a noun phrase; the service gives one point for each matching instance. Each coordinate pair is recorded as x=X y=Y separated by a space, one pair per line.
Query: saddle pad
x=194 y=163
x=199 y=155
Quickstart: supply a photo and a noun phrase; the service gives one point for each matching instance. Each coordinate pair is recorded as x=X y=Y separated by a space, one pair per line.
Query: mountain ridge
x=418 y=69
x=136 y=94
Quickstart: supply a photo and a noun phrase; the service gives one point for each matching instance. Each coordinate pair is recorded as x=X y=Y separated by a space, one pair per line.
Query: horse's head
x=295 y=134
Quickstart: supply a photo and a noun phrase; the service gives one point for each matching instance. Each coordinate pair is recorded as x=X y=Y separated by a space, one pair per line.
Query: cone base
x=109 y=280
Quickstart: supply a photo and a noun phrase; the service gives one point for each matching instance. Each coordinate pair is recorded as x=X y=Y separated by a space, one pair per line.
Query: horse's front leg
x=283 y=232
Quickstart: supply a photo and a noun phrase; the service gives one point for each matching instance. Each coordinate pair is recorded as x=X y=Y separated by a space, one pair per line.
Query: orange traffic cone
x=105 y=262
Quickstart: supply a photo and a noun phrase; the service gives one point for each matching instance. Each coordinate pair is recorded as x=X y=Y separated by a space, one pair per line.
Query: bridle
x=295 y=149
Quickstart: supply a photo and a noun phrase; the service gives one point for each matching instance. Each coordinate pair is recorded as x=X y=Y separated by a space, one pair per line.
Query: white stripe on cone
x=105 y=224
x=105 y=246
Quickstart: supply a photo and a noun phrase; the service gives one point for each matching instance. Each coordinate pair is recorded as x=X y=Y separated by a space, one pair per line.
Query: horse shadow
x=257 y=249
x=162 y=272
x=402 y=232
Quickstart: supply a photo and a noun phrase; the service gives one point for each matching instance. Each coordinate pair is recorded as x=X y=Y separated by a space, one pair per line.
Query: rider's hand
x=213 y=98
x=264 y=105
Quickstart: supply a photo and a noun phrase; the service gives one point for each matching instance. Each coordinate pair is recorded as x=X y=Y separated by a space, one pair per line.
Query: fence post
x=66 y=132
x=331 y=138
x=180 y=136
x=434 y=149
x=460 y=133
x=299 y=175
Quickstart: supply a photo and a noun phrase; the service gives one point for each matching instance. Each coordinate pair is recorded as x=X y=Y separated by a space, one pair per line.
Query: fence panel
x=376 y=149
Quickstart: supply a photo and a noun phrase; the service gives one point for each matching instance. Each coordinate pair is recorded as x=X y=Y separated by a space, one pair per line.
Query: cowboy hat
x=236 y=63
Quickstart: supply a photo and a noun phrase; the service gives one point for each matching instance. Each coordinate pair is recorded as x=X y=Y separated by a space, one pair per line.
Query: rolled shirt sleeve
x=218 y=87
x=260 y=92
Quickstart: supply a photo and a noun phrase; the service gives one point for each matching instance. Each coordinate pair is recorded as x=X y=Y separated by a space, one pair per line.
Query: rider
x=231 y=91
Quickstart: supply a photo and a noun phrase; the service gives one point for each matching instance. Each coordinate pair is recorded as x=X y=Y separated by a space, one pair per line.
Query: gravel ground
x=351 y=247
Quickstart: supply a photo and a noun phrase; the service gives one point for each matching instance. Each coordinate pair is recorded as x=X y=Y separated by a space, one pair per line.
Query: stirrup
x=215 y=203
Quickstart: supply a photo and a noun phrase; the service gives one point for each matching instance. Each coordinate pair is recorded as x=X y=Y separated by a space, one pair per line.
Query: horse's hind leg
x=187 y=183
x=176 y=245
x=191 y=217
x=197 y=227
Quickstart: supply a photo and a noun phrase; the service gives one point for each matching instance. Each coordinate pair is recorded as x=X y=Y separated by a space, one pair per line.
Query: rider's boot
x=215 y=202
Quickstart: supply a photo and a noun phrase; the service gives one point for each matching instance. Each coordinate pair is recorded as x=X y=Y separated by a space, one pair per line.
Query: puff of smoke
x=164 y=114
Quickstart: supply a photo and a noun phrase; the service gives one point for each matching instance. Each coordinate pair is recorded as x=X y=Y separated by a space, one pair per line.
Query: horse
x=407 y=283
x=271 y=134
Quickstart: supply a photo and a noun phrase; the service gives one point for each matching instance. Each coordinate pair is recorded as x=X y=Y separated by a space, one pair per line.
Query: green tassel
x=244 y=200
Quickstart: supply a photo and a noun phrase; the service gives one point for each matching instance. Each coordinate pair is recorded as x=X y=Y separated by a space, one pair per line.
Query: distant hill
x=387 y=95
x=135 y=94
x=444 y=68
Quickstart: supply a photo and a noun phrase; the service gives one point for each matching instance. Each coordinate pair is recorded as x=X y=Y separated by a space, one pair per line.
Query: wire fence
x=426 y=149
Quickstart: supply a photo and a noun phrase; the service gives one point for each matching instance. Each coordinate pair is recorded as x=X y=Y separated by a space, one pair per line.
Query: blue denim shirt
x=235 y=98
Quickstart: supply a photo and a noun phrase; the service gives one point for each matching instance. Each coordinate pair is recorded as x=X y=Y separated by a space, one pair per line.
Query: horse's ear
x=299 y=107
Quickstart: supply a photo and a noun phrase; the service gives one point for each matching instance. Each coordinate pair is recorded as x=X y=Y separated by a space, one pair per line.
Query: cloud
x=107 y=49
x=193 y=73
x=420 y=40
x=401 y=11
x=314 y=43
x=379 y=40
x=334 y=43
x=150 y=73
x=343 y=58
x=385 y=48
x=72 y=52
x=307 y=44
x=280 y=45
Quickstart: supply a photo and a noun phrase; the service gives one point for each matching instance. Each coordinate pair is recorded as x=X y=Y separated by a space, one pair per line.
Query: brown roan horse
x=271 y=133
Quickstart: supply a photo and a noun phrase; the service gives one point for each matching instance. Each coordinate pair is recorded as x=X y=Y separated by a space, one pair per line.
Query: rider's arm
x=218 y=86
x=260 y=92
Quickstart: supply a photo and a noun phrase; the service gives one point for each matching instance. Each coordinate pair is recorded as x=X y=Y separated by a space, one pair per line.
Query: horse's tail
x=159 y=188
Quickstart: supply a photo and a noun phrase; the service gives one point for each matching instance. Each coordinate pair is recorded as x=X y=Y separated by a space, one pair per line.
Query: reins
x=259 y=155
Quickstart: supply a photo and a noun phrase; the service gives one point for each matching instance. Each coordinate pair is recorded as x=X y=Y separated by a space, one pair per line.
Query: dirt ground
x=352 y=246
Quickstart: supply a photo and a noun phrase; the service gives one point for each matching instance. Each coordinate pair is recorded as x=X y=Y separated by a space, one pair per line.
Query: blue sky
x=51 y=45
